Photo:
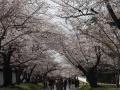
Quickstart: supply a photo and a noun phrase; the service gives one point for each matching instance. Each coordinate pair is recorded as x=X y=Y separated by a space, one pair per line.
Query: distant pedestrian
x=65 y=84
x=51 y=84
x=77 y=83
x=59 y=84
x=69 y=82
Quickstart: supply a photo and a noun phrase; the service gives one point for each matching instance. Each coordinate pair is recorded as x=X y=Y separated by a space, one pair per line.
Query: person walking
x=69 y=82
x=51 y=84
x=77 y=83
x=65 y=84
x=59 y=84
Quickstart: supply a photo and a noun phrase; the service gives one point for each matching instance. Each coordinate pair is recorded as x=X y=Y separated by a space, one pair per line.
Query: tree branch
x=111 y=12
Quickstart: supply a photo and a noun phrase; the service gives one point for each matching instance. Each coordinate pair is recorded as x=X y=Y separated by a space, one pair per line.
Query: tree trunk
x=112 y=14
x=30 y=74
x=92 y=79
x=117 y=80
x=117 y=77
x=118 y=72
x=18 y=80
x=7 y=72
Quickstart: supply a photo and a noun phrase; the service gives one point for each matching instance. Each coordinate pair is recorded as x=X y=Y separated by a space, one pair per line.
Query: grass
x=85 y=86
x=24 y=86
x=105 y=87
x=8 y=88
x=29 y=86
x=100 y=88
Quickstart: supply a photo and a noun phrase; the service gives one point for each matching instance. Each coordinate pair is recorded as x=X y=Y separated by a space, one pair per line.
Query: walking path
x=72 y=87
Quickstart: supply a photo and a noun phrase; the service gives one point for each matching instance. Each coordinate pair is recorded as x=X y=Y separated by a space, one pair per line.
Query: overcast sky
x=56 y=20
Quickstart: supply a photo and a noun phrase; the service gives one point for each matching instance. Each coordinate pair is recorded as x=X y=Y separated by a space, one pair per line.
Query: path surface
x=72 y=87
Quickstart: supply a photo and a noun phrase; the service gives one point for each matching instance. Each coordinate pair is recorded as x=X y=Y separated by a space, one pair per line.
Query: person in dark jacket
x=65 y=84
x=59 y=84
x=51 y=84
x=77 y=83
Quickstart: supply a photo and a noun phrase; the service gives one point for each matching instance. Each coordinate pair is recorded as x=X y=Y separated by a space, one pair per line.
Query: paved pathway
x=72 y=87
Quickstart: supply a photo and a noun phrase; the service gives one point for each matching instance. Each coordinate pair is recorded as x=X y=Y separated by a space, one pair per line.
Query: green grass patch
x=29 y=86
x=86 y=86
x=9 y=88
x=24 y=86
x=41 y=85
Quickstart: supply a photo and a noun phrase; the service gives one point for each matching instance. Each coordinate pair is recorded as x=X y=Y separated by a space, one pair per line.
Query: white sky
x=58 y=21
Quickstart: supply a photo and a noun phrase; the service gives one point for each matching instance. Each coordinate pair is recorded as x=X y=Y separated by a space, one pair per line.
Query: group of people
x=62 y=83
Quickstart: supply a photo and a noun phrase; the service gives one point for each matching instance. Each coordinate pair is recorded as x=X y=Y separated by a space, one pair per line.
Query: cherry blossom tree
x=16 y=21
x=91 y=19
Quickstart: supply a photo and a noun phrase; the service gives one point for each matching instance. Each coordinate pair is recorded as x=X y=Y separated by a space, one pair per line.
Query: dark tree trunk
x=18 y=80
x=112 y=14
x=28 y=77
x=7 y=69
x=7 y=72
x=30 y=74
x=91 y=75
x=92 y=78
x=117 y=79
